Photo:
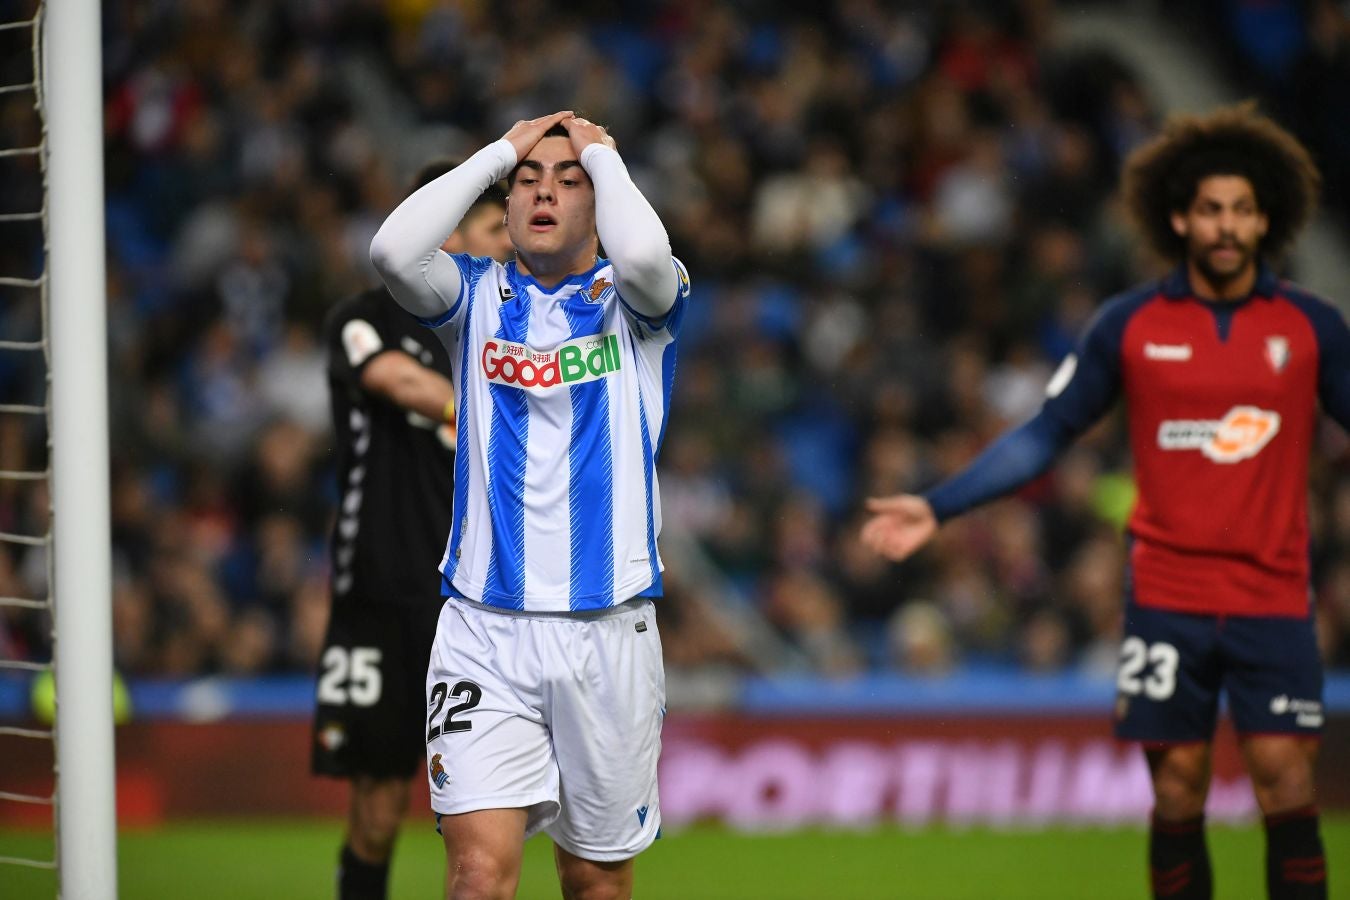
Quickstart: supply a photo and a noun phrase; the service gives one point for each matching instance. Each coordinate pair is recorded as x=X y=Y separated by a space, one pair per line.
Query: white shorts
x=559 y=714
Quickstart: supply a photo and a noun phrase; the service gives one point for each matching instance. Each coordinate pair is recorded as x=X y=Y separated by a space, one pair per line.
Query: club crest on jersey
x=597 y=289
x=438 y=773
x=507 y=293
x=575 y=362
x=1277 y=352
x=1241 y=434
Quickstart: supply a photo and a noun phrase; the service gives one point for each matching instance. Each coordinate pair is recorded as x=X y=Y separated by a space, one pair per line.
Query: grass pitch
x=295 y=860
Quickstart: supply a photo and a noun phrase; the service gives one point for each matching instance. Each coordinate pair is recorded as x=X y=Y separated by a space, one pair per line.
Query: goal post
x=86 y=821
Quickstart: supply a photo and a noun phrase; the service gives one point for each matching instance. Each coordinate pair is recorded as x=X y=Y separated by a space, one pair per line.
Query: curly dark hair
x=1161 y=176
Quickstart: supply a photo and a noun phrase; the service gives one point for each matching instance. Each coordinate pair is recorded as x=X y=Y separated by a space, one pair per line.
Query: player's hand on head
x=899 y=525
x=526 y=133
x=584 y=133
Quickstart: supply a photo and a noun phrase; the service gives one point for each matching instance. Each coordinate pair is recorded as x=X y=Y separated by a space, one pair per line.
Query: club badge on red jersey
x=1277 y=352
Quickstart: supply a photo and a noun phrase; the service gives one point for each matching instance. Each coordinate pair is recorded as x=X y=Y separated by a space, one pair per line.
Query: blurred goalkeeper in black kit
x=394 y=423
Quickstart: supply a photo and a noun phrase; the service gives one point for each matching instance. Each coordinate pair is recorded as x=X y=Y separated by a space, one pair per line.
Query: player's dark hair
x=1161 y=177
x=438 y=167
x=555 y=131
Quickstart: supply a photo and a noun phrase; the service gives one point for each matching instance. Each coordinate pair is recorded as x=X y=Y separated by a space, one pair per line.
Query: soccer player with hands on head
x=1221 y=367
x=545 y=689
x=394 y=422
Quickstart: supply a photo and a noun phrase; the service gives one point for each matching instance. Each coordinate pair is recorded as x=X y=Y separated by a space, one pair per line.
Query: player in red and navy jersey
x=1221 y=367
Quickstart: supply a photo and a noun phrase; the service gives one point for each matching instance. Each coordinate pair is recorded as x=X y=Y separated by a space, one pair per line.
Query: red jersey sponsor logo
x=1239 y=435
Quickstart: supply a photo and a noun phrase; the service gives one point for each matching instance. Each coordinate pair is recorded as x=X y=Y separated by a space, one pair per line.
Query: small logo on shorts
x=438 y=773
x=1307 y=713
x=332 y=736
x=642 y=815
x=1122 y=706
x=640 y=626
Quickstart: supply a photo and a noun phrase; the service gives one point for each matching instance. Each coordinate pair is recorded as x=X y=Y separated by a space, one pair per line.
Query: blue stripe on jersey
x=506 y=453
x=648 y=469
x=590 y=489
x=461 y=503
x=667 y=384
x=471 y=270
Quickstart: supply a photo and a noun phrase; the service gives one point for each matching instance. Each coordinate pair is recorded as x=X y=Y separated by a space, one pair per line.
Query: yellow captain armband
x=448 y=414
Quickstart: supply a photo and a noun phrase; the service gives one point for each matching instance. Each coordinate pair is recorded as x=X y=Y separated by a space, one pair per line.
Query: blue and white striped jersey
x=562 y=398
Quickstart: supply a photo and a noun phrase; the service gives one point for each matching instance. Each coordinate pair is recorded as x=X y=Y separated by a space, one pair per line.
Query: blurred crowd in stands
x=897 y=217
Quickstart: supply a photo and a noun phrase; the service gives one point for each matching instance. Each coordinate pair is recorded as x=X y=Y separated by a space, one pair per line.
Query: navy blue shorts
x=1173 y=664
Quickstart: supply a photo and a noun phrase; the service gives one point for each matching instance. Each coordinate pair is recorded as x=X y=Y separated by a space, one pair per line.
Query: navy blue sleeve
x=1081 y=391
x=1333 y=348
x=1334 y=379
x=1005 y=465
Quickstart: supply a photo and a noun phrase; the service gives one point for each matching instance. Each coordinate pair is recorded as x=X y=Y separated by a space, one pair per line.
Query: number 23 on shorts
x=1160 y=683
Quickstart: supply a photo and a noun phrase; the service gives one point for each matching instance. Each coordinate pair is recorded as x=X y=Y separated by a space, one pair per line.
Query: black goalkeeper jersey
x=395 y=467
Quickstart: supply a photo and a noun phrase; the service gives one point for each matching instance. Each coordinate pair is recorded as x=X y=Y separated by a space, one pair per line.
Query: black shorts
x=1173 y=664
x=370 y=715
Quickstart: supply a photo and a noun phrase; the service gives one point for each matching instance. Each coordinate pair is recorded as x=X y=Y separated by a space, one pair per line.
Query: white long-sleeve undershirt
x=631 y=232
x=406 y=250
x=426 y=282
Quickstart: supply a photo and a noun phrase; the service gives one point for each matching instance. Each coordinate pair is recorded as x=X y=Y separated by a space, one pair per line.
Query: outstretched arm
x=630 y=230
x=1083 y=388
x=899 y=525
x=903 y=523
x=1012 y=461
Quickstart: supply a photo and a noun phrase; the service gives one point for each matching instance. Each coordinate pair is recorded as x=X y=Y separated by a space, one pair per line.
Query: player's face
x=551 y=207
x=1223 y=228
x=482 y=233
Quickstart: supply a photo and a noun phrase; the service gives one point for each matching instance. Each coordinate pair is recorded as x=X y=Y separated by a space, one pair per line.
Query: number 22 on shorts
x=468 y=694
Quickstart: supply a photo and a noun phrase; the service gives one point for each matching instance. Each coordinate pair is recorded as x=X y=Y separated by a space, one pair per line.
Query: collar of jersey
x=1177 y=285
x=521 y=280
